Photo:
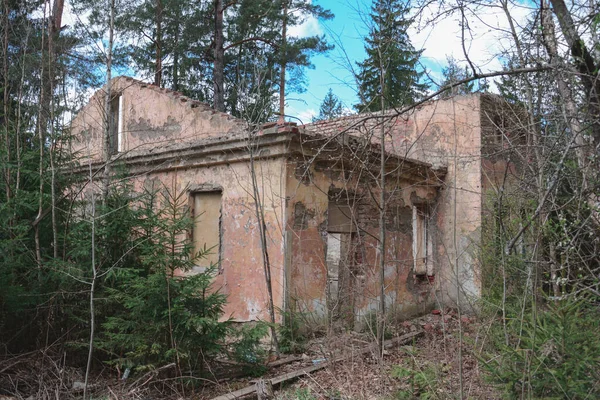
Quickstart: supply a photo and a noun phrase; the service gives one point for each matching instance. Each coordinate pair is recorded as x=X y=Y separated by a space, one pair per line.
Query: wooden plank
x=306 y=370
x=283 y=361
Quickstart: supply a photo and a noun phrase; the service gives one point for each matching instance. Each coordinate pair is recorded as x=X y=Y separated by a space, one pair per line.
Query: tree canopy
x=389 y=76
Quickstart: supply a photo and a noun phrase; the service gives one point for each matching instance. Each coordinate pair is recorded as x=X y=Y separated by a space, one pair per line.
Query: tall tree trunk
x=41 y=128
x=218 y=68
x=52 y=32
x=262 y=230
x=92 y=288
x=5 y=116
x=283 y=62
x=158 y=44
x=568 y=102
x=48 y=82
x=382 y=206
x=49 y=76
x=107 y=101
x=584 y=62
x=176 y=54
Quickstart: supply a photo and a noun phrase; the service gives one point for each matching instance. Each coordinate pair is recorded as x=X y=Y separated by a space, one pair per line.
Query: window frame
x=422 y=241
x=198 y=268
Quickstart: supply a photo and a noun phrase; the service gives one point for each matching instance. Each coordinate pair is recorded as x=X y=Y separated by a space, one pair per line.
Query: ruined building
x=319 y=187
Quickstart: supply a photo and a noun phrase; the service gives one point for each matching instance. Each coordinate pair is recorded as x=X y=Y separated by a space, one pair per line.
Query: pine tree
x=331 y=108
x=454 y=73
x=391 y=54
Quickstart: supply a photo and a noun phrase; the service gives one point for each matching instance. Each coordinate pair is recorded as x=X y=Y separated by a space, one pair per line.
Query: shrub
x=291 y=337
x=554 y=353
x=158 y=316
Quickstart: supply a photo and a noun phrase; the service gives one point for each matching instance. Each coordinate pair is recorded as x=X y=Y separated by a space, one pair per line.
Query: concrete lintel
x=205 y=187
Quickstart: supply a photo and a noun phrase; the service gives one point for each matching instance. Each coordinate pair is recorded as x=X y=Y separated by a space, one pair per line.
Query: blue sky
x=437 y=37
x=346 y=31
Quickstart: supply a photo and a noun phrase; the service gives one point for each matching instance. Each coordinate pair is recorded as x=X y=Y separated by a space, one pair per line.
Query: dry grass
x=427 y=368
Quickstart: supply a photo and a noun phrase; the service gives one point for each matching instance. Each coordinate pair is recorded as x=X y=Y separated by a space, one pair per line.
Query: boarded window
x=422 y=246
x=206 y=234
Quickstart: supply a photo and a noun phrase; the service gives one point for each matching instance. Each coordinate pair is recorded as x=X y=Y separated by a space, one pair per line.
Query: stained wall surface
x=296 y=201
x=240 y=275
x=160 y=126
x=350 y=291
x=153 y=118
x=445 y=133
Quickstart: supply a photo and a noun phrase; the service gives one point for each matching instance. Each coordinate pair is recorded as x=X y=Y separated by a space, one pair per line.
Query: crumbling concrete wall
x=153 y=118
x=310 y=190
x=240 y=275
x=185 y=146
x=445 y=133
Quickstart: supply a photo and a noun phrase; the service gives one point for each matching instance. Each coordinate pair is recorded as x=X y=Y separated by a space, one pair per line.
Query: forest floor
x=426 y=367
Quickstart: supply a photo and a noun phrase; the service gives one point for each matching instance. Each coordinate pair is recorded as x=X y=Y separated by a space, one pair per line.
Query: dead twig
x=147 y=377
x=372 y=348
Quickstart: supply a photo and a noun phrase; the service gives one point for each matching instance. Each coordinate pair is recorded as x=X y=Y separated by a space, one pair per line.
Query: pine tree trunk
x=218 y=68
x=158 y=44
x=6 y=122
x=283 y=51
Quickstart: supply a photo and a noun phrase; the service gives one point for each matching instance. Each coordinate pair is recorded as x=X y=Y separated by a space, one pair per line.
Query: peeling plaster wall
x=307 y=230
x=445 y=133
x=448 y=132
x=157 y=120
x=153 y=118
x=241 y=275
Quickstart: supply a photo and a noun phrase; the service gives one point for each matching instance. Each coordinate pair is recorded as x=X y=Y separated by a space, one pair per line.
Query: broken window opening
x=207 y=230
x=340 y=259
x=115 y=134
x=422 y=244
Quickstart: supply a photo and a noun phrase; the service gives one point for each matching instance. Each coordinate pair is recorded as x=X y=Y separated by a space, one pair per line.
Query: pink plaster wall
x=445 y=133
x=153 y=117
x=405 y=293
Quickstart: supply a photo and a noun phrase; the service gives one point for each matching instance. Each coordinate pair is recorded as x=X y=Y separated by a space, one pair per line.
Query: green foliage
x=552 y=353
x=371 y=325
x=298 y=394
x=183 y=310
x=453 y=73
x=248 y=349
x=421 y=381
x=291 y=337
x=331 y=108
x=185 y=37
x=390 y=51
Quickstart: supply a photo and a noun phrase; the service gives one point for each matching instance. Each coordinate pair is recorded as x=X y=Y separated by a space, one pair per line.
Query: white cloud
x=302 y=116
x=488 y=34
x=310 y=26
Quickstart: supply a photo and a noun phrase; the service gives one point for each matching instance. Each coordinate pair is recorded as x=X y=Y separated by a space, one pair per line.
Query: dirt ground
x=428 y=367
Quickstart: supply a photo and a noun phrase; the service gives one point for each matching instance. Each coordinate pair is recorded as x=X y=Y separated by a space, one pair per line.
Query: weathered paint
x=186 y=146
x=152 y=118
x=310 y=252
x=461 y=134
